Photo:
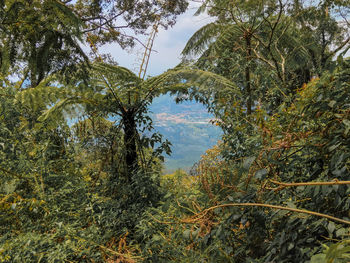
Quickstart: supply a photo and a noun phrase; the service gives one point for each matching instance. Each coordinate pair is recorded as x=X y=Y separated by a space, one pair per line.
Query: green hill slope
x=187 y=126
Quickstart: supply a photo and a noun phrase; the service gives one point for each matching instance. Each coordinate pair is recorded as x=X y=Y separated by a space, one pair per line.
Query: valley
x=187 y=126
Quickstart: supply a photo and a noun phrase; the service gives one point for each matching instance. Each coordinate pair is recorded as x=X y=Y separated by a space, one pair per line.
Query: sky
x=168 y=44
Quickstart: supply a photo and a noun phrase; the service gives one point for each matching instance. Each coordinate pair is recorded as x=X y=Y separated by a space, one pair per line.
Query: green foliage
x=40 y=189
x=43 y=37
x=93 y=192
x=263 y=47
x=289 y=146
x=52 y=207
x=105 y=21
x=38 y=38
x=338 y=252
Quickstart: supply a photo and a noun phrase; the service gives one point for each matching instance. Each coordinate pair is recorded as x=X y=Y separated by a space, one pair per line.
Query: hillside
x=187 y=126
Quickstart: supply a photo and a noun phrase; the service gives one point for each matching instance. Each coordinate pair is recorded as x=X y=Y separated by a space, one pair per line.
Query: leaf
x=347 y=125
x=339 y=172
x=261 y=174
x=156 y=238
x=331 y=227
x=290 y=246
x=346 y=122
x=340 y=232
x=291 y=204
x=319 y=258
x=186 y=234
x=248 y=162
x=10 y=187
x=333 y=147
x=332 y=103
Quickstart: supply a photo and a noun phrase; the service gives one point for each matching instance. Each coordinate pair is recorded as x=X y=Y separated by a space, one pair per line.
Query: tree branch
x=303 y=211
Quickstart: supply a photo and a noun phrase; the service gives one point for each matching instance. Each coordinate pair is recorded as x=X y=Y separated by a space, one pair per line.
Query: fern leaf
x=201 y=39
x=194 y=82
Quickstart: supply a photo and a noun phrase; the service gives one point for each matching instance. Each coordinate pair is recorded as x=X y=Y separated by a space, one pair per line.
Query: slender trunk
x=247 y=77
x=32 y=64
x=130 y=137
x=249 y=91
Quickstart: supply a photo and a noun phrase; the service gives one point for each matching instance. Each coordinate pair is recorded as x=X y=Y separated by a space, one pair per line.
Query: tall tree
x=41 y=37
x=113 y=21
x=38 y=37
x=262 y=45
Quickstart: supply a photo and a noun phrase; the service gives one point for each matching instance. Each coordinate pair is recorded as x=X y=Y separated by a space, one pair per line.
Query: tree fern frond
x=55 y=111
x=194 y=82
x=71 y=41
x=67 y=13
x=41 y=95
x=37 y=97
x=232 y=35
x=13 y=8
x=202 y=8
x=114 y=74
x=207 y=56
x=201 y=39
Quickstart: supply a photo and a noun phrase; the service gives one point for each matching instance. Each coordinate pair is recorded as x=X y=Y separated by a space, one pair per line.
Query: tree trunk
x=130 y=137
x=249 y=91
x=247 y=76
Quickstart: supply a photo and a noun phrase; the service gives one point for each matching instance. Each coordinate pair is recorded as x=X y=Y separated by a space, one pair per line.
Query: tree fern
x=114 y=90
x=248 y=44
x=201 y=39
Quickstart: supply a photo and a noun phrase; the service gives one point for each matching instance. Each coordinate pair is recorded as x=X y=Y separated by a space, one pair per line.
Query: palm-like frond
x=230 y=37
x=115 y=89
x=64 y=12
x=202 y=8
x=198 y=84
x=107 y=85
x=202 y=38
x=113 y=77
x=116 y=74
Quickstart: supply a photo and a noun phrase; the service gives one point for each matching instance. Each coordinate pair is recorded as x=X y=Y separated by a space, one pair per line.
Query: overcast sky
x=168 y=45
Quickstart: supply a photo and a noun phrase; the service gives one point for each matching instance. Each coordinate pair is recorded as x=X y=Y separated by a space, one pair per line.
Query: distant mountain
x=187 y=126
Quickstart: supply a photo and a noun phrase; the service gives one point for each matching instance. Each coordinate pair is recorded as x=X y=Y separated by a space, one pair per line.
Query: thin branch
x=302 y=211
x=338 y=48
x=335 y=182
x=273 y=28
x=261 y=58
x=104 y=28
x=120 y=104
x=11 y=173
x=89 y=19
x=126 y=256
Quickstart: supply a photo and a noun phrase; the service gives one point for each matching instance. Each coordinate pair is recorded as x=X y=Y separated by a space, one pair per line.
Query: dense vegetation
x=81 y=166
